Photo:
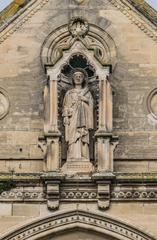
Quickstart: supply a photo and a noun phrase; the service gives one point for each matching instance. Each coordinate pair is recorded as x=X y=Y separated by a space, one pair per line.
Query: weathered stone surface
x=28 y=210
x=23 y=78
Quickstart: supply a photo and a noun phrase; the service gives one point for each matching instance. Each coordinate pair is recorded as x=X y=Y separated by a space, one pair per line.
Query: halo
x=79 y=70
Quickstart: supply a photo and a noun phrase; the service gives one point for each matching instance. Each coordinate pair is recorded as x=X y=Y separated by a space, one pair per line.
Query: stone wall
x=137 y=214
x=133 y=78
x=23 y=78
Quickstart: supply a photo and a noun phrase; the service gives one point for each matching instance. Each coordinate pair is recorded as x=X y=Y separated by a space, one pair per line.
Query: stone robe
x=78 y=119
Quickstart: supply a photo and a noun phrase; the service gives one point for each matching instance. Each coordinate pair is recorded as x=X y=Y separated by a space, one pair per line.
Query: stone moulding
x=20 y=195
x=134 y=16
x=34 y=6
x=18 y=20
x=123 y=188
x=122 y=195
x=11 y=9
x=77 y=219
x=135 y=192
x=152 y=103
x=134 y=196
x=136 y=177
x=146 y=9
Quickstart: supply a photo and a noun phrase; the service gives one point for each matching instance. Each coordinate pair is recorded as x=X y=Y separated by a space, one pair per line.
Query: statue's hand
x=66 y=121
x=82 y=98
x=79 y=98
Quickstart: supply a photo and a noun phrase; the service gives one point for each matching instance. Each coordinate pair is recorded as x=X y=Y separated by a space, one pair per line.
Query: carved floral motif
x=78 y=27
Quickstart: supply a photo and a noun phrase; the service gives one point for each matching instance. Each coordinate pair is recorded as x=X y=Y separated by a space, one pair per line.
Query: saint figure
x=78 y=117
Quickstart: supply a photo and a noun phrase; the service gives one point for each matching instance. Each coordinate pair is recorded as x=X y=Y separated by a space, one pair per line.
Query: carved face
x=78 y=78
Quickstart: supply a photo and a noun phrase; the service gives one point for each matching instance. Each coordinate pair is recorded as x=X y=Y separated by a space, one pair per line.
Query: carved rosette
x=78 y=27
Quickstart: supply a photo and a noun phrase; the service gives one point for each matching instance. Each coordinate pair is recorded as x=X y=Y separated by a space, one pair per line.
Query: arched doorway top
x=63 y=221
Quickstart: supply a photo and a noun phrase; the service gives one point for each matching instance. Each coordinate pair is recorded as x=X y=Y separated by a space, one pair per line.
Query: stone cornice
x=123 y=187
x=145 y=9
x=20 y=176
x=11 y=9
x=136 y=177
x=119 y=177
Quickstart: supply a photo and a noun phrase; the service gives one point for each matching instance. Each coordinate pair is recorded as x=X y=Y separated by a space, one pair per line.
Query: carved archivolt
x=77 y=219
x=92 y=37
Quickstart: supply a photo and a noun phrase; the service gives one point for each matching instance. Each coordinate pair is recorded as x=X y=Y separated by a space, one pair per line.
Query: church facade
x=78 y=120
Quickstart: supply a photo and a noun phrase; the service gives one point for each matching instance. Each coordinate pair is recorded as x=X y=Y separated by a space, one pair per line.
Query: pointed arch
x=63 y=221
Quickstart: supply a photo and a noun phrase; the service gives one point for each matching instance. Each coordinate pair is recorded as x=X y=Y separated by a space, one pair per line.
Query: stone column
x=104 y=144
x=105 y=102
x=51 y=132
x=46 y=108
x=53 y=153
x=53 y=101
x=109 y=102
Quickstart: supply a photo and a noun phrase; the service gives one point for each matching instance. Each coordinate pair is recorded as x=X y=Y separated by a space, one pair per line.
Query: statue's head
x=79 y=77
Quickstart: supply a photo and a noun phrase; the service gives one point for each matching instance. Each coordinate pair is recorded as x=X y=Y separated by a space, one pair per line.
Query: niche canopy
x=94 y=39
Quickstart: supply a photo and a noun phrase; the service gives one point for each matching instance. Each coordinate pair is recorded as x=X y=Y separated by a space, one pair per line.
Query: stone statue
x=78 y=117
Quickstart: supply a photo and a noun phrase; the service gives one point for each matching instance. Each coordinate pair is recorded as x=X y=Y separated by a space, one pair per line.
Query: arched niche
x=79 y=38
x=107 y=228
x=78 y=60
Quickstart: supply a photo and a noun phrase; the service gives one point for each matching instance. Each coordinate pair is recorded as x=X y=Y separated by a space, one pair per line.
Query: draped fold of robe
x=79 y=116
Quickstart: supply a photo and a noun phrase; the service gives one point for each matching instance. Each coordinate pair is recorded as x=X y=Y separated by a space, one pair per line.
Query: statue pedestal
x=78 y=167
